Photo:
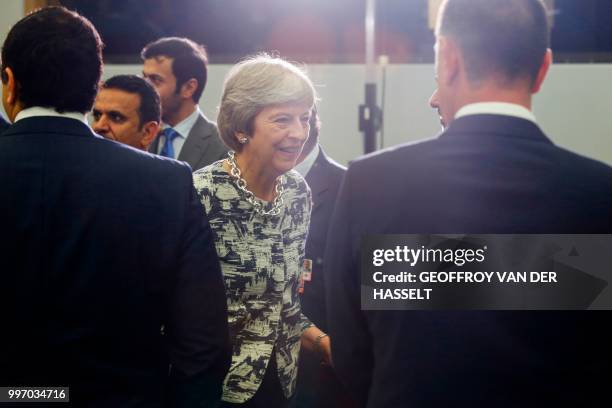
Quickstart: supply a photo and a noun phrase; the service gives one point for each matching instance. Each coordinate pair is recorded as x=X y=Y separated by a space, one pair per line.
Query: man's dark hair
x=56 y=58
x=189 y=60
x=150 y=107
x=505 y=38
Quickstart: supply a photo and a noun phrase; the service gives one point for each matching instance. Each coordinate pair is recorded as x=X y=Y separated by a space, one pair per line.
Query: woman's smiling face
x=279 y=133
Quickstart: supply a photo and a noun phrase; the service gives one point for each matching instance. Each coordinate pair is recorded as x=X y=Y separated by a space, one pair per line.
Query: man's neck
x=37 y=111
x=13 y=110
x=181 y=114
x=491 y=92
x=506 y=97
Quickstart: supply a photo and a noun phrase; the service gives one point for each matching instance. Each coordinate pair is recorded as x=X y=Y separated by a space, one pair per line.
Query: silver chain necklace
x=250 y=197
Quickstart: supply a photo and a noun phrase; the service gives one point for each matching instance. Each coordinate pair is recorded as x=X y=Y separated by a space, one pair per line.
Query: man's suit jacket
x=484 y=174
x=317 y=385
x=324 y=179
x=3 y=124
x=202 y=146
x=108 y=272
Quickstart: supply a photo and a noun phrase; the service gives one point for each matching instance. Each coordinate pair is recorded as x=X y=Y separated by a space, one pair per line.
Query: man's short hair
x=150 y=106
x=56 y=58
x=189 y=60
x=504 y=38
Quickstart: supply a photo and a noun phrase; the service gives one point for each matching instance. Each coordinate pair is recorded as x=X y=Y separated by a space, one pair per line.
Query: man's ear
x=9 y=83
x=449 y=60
x=149 y=131
x=189 y=88
x=10 y=94
x=546 y=63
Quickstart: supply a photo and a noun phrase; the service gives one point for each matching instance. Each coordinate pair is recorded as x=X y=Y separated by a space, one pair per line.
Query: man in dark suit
x=109 y=271
x=317 y=384
x=491 y=171
x=177 y=67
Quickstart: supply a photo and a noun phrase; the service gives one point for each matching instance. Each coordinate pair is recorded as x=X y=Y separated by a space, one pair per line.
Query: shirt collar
x=184 y=127
x=496 y=108
x=35 y=111
x=304 y=167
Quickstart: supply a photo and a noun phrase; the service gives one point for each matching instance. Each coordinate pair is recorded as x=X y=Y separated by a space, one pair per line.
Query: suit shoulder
x=572 y=159
x=394 y=156
x=589 y=175
x=204 y=126
x=147 y=161
x=331 y=165
x=208 y=129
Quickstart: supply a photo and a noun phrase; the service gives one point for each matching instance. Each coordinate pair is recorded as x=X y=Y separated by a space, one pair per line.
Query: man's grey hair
x=253 y=84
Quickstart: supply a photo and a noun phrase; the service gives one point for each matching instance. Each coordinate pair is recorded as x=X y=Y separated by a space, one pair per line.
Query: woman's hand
x=318 y=342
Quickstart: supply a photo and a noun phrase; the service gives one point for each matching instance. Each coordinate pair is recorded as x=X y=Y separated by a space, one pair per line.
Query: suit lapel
x=317 y=180
x=196 y=142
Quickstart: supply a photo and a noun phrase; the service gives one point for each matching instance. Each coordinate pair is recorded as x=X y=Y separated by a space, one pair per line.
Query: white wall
x=10 y=12
x=573 y=108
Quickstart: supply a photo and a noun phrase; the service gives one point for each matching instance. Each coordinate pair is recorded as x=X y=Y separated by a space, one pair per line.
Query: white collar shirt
x=36 y=111
x=183 y=128
x=304 y=167
x=496 y=108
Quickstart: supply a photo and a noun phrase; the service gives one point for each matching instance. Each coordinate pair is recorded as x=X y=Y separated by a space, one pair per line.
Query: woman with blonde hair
x=259 y=211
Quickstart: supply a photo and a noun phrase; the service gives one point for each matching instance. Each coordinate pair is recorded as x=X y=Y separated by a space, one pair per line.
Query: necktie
x=169 y=136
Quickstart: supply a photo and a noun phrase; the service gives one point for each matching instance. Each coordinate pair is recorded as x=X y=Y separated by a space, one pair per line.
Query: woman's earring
x=243 y=140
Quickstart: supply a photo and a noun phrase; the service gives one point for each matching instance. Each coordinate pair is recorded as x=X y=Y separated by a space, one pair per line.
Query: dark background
x=317 y=31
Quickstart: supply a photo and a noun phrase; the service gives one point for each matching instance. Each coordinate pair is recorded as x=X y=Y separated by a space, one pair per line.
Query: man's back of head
x=105 y=250
x=51 y=58
x=492 y=171
x=488 y=50
x=506 y=39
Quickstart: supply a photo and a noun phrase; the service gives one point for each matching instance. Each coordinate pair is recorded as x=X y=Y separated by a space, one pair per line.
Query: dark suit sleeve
x=200 y=352
x=348 y=330
x=3 y=124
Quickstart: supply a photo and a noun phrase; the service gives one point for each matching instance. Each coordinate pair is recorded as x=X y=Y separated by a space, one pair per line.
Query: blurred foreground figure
x=317 y=384
x=491 y=171
x=127 y=109
x=109 y=272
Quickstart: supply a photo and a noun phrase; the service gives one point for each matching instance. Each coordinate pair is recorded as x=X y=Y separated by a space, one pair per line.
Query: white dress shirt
x=304 y=167
x=35 y=111
x=496 y=108
x=183 y=128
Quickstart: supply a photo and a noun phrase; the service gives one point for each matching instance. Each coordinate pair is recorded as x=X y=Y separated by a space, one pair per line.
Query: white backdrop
x=574 y=107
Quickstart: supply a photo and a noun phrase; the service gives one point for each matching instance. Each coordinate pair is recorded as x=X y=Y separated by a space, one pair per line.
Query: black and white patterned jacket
x=261 y=258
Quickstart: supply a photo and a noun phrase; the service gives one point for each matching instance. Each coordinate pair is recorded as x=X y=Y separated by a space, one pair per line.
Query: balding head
x=503 y=39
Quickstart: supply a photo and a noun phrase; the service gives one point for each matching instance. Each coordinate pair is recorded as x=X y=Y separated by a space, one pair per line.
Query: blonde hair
x=253 y=84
